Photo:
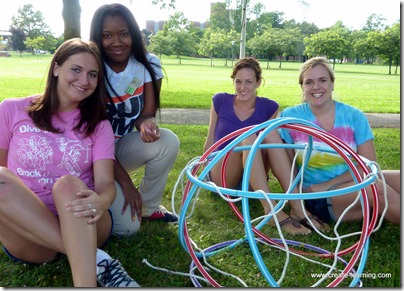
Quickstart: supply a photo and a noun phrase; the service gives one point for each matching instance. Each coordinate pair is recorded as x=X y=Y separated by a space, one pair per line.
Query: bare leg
x=340 y=203
x=78 y=236
x=28 y=229
x=281 y=167
x=393 y=179
x=258 y=180
x=31 y=232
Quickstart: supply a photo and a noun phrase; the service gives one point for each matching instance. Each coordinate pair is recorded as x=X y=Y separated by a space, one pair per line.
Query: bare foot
x=292 y=226
x=321 y=226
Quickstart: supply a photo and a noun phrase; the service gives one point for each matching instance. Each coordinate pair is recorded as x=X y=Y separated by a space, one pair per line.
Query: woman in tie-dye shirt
x=326 y=170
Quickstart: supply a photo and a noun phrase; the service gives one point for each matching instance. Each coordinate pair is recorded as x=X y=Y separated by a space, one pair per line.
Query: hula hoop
x=355 y=282
x=312 y=130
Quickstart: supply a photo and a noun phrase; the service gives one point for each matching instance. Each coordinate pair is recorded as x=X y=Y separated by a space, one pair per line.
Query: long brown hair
x=92 y=108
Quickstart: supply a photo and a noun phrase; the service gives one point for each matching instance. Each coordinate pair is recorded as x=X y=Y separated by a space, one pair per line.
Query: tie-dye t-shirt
x=350 y=125
x=39 y=157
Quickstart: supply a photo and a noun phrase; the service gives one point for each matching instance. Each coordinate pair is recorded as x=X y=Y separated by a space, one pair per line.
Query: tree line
x=269 y=36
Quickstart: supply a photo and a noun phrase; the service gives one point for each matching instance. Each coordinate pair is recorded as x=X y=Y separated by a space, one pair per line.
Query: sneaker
x=110 y=273
x=162 y=214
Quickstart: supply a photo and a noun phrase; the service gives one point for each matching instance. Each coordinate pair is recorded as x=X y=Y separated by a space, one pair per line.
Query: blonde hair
x=311 y=63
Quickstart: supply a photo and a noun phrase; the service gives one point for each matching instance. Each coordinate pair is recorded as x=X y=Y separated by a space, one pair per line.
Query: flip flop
x=294 y=222
x=306 y=222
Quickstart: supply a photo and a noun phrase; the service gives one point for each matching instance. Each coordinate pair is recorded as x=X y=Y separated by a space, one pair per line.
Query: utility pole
x=243 y=29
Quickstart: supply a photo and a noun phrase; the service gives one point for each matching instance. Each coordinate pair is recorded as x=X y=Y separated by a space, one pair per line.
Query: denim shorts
x=322 y=208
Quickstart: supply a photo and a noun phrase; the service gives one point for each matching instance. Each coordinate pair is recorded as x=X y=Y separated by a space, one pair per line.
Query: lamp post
x=232 y=52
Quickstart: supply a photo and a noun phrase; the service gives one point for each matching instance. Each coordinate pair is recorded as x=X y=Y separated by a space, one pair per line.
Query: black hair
x=138 y=48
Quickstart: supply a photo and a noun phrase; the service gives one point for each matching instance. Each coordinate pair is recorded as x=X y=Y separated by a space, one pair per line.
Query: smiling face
x=246 y=84
x=116 y=42
x=77 y=79
x=317 y=85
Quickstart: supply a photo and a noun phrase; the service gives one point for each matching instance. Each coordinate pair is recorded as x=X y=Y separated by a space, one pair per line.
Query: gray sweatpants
x=157 y=158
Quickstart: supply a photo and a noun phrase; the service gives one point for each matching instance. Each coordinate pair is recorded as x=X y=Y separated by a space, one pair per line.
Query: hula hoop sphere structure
x=288 y=261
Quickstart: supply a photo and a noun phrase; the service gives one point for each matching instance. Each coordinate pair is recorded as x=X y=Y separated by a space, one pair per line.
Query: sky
x=352 y=13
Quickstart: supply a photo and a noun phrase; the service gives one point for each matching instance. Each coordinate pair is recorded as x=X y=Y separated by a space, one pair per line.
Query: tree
x=31 y=22
x=160 y=44
x=218 y=43
x=181 y=34
x=330 y=43
x=363 y=49
x=71 y=16
x=17 y=39
x=374 y=22
x=387 y=44
x=220 y=18
x=164 y=3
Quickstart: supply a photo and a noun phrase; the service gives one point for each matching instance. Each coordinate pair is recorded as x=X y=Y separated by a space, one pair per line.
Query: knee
x=129 y=229
x=5 y=174
x=379 y=194
x=171 y=142
x=67 y=183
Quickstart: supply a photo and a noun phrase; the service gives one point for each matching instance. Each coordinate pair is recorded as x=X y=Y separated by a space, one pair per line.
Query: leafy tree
x=42 y=43
x=160 y=44
x=164 y=3
x=265 y=45
x=181 y=35
x=218 y=43
x=17 y=39
x=31 y=22
x=220 y=18
x=177 y=22
x=362 y=48
x=374 y=22
x=36 y=43
x=387 y=44
x=329 y=43
x=181 y=44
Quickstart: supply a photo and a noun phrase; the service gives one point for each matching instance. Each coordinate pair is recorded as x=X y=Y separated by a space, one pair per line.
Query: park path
x=201 y=117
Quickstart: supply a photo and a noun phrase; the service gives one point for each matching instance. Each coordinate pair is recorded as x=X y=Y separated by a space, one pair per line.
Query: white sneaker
x=110 y=273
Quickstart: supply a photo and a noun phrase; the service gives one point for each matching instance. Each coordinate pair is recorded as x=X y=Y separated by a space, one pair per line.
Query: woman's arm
x=104 y=182
x=211 y=131
x=146 y=123
x=130 y=192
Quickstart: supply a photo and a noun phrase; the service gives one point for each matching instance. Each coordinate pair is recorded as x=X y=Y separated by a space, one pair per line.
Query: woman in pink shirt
x=56 y=170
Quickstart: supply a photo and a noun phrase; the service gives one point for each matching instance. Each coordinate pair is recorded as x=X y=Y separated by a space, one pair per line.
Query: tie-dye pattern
x=350 y=125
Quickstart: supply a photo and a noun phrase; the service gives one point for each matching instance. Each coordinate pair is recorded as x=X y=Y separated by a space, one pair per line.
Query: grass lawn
x=212 y=221
x=192 y=84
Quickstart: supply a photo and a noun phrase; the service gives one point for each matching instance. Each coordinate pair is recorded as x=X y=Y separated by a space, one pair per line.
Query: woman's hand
x=89 y=204
x=149 y=130
x=133 y=199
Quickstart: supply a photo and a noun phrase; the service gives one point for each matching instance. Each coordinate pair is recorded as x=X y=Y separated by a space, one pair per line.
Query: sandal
x=323 y=226
x=295 y=223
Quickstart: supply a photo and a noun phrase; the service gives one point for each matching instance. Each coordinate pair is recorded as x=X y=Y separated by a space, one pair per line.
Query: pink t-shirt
x=40 y=157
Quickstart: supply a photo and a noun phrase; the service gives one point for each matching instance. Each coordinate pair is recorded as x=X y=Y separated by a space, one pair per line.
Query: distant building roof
x=4 y=32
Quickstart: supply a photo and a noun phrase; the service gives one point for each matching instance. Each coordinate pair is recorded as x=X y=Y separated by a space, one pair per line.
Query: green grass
x=213 y=221
x=192 y=84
